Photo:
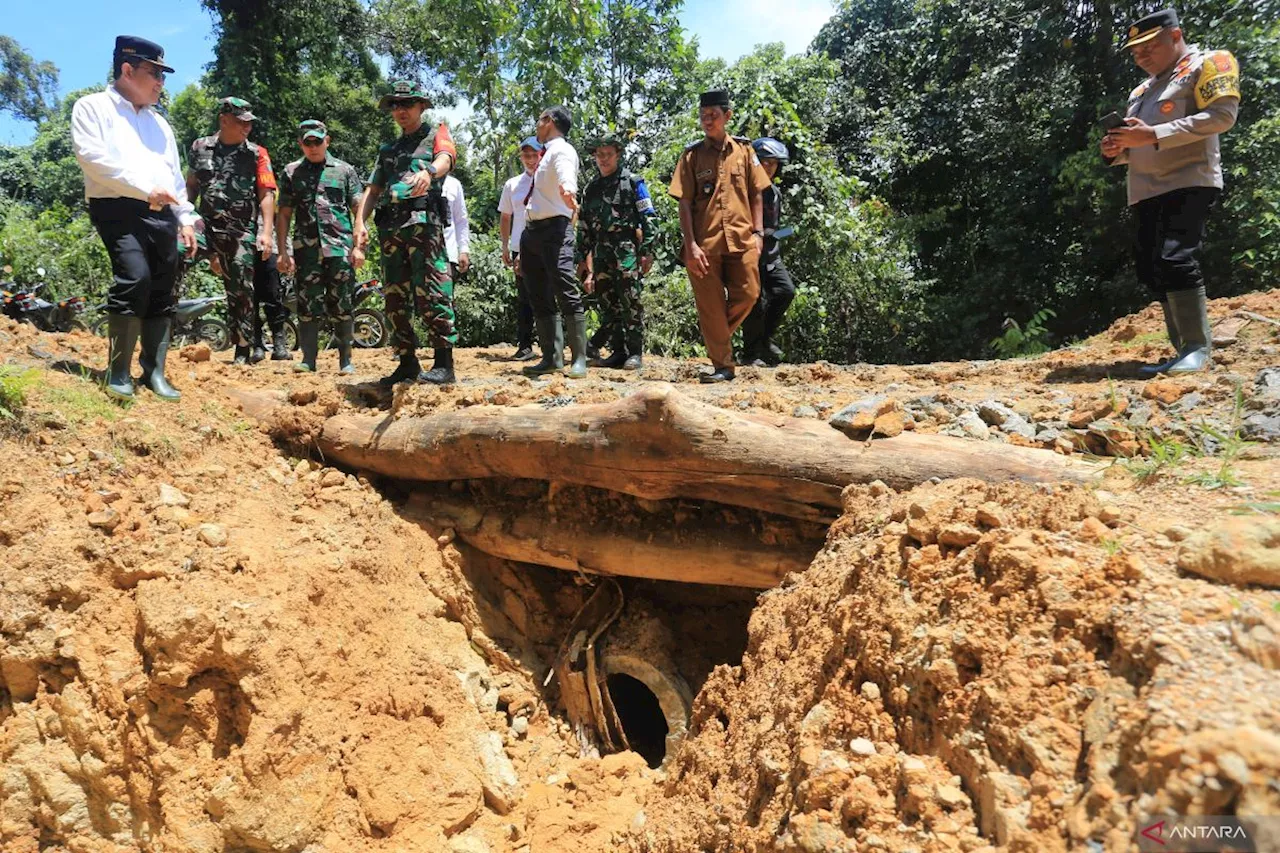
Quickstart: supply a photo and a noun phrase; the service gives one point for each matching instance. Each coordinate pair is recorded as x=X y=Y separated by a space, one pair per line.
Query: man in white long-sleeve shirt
x=1169 y=141
x=511 y=206
x=546 y=249
x=137 y=197
x=457 y=234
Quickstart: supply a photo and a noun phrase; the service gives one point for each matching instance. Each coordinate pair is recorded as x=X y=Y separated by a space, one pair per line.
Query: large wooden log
x=528 y=534
x=658 y=443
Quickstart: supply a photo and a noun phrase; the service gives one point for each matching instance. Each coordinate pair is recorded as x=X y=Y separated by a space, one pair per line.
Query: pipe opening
x=641 y=716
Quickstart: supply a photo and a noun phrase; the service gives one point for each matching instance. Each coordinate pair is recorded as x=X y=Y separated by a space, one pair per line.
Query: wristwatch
x=758 y=233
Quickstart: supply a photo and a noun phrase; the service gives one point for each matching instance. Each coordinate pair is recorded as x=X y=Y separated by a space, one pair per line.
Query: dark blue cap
x=134 y=49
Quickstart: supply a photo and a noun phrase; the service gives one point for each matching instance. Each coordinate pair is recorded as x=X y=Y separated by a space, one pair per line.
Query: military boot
x=155 y=350
x=617 y=355
x=577 y=346
x=441 y=372
x=309 y=343
x=122 y=336
x=241 y=356
x=280 y=346
x=346 y=334
x=1191 y=313
x=551 y=342
x=1171 y=327
x=409 y=369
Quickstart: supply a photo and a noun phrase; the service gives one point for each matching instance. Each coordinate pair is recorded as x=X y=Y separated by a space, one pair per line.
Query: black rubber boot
x=280 y=346
x=122 y=337
x=441 y=372
x=346 y=332
x=409 y=369
x=551 y=342
x=155 y=350
x=309 y=343
x=1191 y=313
x=720 y=374
x=1171 y=326
x=633 y=362
x=577 y=346
x=241 y=356
x=617 y=355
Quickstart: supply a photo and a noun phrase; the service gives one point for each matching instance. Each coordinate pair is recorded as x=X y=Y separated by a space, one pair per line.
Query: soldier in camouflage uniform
x=615 y=238
x=232 y=179
x=326 y=193
x=406 y=190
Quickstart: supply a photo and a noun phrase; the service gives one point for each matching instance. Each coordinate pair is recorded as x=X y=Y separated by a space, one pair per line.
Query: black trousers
x=546 y=259
x=524 y=309
x=776 y=292
x=1170 y=231
x=268 y=295
x=143 y=246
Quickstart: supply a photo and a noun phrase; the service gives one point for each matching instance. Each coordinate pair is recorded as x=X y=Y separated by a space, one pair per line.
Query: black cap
x=714 y=98
x=134 y=49
x=1145 y=29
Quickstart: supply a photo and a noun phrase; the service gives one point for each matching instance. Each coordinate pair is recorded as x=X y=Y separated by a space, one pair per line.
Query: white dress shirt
x=512 y=202
x=457 y=236
x=126 y=152
x=559 y=166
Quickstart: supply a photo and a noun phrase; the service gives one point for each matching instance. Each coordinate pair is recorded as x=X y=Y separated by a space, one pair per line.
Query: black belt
x=531 y=224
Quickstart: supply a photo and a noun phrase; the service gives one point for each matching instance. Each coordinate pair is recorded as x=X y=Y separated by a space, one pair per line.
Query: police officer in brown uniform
x=718 y=182
x=1169 y=141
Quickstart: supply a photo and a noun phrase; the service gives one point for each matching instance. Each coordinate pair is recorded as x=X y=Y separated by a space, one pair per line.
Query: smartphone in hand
x=1111 y=121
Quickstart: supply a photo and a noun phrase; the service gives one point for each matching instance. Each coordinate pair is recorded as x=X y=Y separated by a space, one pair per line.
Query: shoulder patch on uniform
x=644 y=203
x=1140 y=90
x=745 y=140
x=1219 y=78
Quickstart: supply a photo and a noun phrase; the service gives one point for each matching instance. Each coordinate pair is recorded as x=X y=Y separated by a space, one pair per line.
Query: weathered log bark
x=659 y=444
x=719 y=556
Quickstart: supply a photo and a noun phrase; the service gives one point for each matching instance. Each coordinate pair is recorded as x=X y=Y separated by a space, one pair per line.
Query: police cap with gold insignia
x=133 y=49
x=714 y=98
x=403 y=90
x=1145 y=29
x=237 y=107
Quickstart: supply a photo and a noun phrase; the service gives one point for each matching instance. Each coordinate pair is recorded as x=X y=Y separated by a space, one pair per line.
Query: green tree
x=28 y=89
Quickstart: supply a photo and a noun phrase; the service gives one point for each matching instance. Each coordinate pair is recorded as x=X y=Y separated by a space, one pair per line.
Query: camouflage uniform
x=230 y=177
x=614 y=209
x=322 y=195
x=415 y=267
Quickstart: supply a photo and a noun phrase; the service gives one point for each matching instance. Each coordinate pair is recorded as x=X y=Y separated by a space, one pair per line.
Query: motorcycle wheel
x=291 y=334
x=99 y=326
x=370 y=328
x=214 y=332
x=78 y=326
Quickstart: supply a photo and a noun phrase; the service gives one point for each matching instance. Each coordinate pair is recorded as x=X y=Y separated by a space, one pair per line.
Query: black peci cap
x=714 y=98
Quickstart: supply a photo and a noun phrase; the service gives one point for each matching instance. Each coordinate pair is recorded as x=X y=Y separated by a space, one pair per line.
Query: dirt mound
x=964 y=666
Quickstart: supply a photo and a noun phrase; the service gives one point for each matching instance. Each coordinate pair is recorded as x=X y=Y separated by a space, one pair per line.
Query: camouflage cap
x=608 y=140
x=312 y=129
x=403 y=90
x=237 y=107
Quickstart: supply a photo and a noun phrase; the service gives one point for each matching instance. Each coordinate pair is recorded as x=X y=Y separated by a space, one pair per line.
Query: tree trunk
x=659 y=444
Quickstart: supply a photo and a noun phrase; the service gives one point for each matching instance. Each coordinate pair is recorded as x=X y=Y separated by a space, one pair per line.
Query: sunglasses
x=312 y=142
x=153 y=71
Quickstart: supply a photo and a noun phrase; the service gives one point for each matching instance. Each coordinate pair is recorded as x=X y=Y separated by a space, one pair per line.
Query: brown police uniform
x=719 y=183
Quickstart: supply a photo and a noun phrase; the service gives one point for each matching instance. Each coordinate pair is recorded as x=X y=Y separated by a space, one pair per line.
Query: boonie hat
x=403 y=90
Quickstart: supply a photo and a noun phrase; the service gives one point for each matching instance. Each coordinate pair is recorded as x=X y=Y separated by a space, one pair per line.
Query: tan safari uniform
x=1187 y=106
x=720 y=183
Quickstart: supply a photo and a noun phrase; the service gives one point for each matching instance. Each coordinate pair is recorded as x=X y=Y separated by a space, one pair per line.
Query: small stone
x=332 y=478
x=1109 y=516
x=67 y=459
x=870 y=690
x=862 y=746
x=302 y=396
x=877 y=488
x=968 y=424
x=1238 y=551
x=196 y=352
x=990 y=514
x=303 y=467
x=446 y=537
x=859 y=418
x=949 y=796
x=804 y=412
x=169 y=496
x=1164 y=391
x=213 y=535
x=958 y=535
x=1093 y=530
x=889 y=424
x=106 y=519
x=1177 y=533
x=520 y=726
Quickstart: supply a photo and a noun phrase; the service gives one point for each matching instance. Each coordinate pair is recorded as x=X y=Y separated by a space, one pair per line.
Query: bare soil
x=212 y=642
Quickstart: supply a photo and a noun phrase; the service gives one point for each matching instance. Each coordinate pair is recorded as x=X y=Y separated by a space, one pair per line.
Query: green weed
x=1166 y=456
x=1020 y=342
x=80 y=402
x=15 y=382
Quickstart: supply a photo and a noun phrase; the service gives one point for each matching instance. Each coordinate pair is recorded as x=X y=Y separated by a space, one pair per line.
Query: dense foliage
x=945 y=184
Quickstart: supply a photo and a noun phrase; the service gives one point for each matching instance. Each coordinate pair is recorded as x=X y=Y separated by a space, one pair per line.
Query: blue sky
x=79 y=37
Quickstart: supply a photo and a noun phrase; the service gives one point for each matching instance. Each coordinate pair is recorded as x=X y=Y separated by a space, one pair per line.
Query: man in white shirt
x=457 y=234
x=547 y=248
x=513 y=213
x=137 y=197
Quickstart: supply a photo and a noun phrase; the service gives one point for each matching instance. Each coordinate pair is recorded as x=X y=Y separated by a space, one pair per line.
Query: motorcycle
x=190 y=323
x=22 y=304
x=370 y=324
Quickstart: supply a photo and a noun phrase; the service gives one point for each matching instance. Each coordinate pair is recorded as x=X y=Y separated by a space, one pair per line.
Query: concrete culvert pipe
x=653 y=703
